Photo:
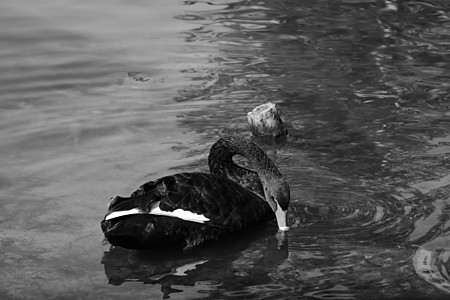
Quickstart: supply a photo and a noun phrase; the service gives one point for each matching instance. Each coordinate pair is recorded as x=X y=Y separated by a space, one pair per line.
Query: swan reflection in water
x=233 y=263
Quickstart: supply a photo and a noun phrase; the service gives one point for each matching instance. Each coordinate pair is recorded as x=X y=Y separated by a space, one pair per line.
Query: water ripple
x=351 y=215
x=96 y=96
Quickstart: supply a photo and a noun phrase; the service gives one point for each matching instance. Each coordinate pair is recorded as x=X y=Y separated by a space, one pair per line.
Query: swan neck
x=221 y=158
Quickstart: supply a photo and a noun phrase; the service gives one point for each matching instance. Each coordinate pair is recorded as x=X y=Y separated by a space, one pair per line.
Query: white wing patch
x=155 y=210
x=121 y=213
x=178 y=213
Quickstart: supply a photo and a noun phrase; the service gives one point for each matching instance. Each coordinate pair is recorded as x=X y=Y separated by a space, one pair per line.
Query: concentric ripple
x=340 y=212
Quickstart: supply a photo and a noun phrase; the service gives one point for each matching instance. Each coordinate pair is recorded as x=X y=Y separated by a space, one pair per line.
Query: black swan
x=190 y=208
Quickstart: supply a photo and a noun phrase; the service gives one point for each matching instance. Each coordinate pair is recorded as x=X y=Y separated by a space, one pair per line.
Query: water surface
x=97 y=98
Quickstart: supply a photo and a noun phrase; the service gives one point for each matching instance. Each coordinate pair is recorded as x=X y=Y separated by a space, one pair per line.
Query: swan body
x=190 y=208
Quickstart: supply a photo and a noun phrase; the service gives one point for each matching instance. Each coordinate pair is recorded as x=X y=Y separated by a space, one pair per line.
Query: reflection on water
x=432 y=263
x=234 y=266
x=97 y=98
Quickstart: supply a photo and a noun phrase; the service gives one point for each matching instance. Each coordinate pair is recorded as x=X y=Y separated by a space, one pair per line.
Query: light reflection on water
x=96 y=98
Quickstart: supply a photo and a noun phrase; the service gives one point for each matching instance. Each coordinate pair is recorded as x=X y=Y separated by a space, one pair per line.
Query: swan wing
x=197 y=197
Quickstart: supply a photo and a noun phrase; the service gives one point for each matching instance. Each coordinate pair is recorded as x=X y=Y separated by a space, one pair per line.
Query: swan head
x=278 y=195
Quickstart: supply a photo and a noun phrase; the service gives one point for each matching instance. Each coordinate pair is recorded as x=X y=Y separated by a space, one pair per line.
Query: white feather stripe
x=155 y=210
x=179 y=213
x=121 y=213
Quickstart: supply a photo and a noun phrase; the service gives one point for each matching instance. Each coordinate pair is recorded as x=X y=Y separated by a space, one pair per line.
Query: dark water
x=97 y=98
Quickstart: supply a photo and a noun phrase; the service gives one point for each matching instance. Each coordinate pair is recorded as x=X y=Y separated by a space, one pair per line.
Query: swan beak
x=281 y=218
